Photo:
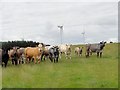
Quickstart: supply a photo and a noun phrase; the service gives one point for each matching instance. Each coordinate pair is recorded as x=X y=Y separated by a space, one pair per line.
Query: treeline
x=10 y=44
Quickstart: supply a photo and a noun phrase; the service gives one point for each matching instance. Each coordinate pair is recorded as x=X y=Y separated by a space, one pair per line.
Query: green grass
x=79 y=72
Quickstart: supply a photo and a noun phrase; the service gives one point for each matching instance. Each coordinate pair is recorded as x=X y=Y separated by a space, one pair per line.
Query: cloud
x=38 y=21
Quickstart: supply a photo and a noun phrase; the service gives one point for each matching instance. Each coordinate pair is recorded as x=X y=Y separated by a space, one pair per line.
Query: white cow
x=66 y=49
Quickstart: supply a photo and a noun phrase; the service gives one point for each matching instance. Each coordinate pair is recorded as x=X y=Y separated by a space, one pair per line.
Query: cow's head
x=102 y=45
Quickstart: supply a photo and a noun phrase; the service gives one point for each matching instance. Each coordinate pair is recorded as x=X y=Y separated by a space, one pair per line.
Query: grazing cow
x=5 y=57
x=33 y=52
x=66 y=49
x=78 y=51
x=95 y=48
x=54 y=53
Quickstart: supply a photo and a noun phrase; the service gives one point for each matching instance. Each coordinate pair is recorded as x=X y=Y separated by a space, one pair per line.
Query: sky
x=38 y=21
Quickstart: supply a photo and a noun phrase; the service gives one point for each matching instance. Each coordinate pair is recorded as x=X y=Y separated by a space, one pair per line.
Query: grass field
x=79 y=72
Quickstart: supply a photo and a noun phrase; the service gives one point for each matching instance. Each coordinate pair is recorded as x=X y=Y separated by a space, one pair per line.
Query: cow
x=13 y=55
x=66 y=49
x=21 y=55
x=45 y=52
x=33 y=52
x=54 y=53
x=95 y=48
x=5 y=57
x=78 y=51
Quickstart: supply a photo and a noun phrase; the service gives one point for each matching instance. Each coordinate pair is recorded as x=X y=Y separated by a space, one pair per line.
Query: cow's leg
x=70 y=56
x=54 y=60
x=16 y=62
x=97 y=54
x=57 y=59
x=60 y=55
x=90 y=53
x=22 y=60
x=78 y=54
x=50 y=58
x=6 y=63
x=29 y=60
x=66 y=55
x=2 y=64
x=100 y=54
x=42 y=56
x=13 y=61
x=39 y=58
x=87 y=54
x=34 y=60
x=75 y=52
x=26 y=61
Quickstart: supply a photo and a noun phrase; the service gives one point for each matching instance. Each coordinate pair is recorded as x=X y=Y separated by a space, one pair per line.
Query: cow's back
x=95 y=47
x=32 y=51
x=63 y=48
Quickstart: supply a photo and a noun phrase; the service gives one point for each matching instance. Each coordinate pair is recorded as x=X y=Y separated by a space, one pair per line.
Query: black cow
x=5 y=57
x=54 y=54
x=95 y=48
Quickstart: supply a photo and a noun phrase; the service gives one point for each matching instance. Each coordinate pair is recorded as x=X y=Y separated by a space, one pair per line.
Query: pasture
x=79 y=72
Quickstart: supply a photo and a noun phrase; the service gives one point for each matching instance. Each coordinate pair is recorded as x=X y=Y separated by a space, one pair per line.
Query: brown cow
x=33 y=52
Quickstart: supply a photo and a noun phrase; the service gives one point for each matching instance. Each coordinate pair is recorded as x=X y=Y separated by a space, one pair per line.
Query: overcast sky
x=38 y=21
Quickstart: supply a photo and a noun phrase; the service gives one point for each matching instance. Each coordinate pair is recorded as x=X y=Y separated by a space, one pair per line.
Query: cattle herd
x=19 y=55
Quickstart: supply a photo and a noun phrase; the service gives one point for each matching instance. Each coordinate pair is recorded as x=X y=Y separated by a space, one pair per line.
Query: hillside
x=79 y=72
